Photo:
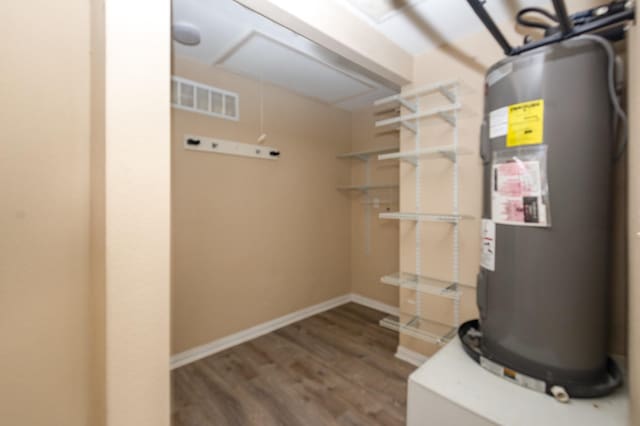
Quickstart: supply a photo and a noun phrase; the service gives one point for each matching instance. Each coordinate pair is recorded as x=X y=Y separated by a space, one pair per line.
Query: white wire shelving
x=367 y=187
x=365 y=155
x=444 y=87
x=399 y=100
x=421 y=328
x=421 y=284
x=449 y=152
x=447 y=112
x=396 y=127
x=425 y=217
x=434 y=112
x=415 y=324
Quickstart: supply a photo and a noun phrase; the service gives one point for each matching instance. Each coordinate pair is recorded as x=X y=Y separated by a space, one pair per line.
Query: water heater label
x=525 y=123
x=498 y=122
x=517 y=193
x=522 y=123
x=513 y=376
x=488 y=255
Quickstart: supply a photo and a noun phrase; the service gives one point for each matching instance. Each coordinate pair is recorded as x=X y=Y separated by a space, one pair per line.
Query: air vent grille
x=192 y=96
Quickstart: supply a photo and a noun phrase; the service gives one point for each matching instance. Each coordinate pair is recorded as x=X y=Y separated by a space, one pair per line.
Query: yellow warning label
x=526 y=123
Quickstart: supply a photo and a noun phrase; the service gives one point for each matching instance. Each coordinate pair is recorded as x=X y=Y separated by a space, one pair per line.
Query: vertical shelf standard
x=415 y=324
x=367 y=185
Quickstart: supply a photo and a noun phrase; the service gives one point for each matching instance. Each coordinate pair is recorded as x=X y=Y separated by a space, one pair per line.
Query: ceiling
x=419 y=25
x=243 y=42
x=238 y=40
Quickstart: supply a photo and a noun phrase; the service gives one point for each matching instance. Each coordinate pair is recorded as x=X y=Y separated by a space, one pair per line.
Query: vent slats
x=196 y=97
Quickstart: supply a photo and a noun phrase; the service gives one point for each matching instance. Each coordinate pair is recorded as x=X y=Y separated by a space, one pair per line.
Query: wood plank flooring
x=335 y=368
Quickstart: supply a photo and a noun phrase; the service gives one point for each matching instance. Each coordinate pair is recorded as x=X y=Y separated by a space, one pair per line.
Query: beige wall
x=44 y=220
x=256 y=239
x=381 y=258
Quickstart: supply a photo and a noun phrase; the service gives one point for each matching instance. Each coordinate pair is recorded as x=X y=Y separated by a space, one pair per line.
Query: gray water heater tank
x=543 y=289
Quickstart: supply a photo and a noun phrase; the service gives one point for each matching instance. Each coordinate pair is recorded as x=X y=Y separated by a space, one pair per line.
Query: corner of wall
x=97 y=215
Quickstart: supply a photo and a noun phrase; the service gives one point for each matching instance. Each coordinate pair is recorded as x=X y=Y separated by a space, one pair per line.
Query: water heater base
x=471 y=338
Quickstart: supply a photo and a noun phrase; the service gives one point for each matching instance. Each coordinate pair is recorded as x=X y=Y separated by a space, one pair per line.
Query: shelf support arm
x=448 y=117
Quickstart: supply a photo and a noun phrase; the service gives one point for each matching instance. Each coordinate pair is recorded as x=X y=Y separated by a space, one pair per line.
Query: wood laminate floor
x=335 y=368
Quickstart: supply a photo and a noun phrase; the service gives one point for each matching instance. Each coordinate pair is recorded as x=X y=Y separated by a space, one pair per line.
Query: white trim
x=203 y=351
x=374 y=304
x=226 y=342
x=412 y=357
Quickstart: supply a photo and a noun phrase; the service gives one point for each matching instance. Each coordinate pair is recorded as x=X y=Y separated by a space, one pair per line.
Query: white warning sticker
x=498 y=122
x=491 y=366
x=488 y=254
x=512 y=375
x=516 y=196
x=530 y=383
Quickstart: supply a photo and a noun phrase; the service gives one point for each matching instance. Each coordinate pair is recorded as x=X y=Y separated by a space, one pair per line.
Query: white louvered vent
x=197 y=97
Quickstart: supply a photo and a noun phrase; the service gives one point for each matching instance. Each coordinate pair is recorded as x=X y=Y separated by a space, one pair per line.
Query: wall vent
x=192 y=96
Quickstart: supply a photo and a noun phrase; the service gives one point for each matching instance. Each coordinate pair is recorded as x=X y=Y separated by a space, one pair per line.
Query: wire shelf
x=442 y=87
x=414 y=326
x=422 y=284
x=367 y=187
x=425 y=217
x=364 y=155
x=439 y=112
x=445 y=151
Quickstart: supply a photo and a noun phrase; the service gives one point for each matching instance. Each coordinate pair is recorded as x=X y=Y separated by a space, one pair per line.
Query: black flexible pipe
x=563 y=17
x=524 y=22
x=478 y=8
x=582 y=29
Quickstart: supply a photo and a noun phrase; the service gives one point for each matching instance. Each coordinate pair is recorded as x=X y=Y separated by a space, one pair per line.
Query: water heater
x=547 y=148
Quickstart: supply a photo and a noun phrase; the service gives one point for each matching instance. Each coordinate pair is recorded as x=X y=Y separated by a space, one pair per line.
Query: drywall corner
x=374 y=241
x=137 y=212
x=97 y=215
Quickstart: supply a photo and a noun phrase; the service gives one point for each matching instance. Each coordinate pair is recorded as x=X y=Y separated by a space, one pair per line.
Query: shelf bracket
x=408 y=126
x=453 y=288
x=408 y=105
x=413 y=320
x=447 y=94
x=450 y=155
x=413 y=161
x=448 y=117
x=394 y=110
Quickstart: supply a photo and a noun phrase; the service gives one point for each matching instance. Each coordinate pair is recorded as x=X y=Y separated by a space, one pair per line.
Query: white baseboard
x=203 y=351
x=226 y=342
x=374 y=304
x=412 y=357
